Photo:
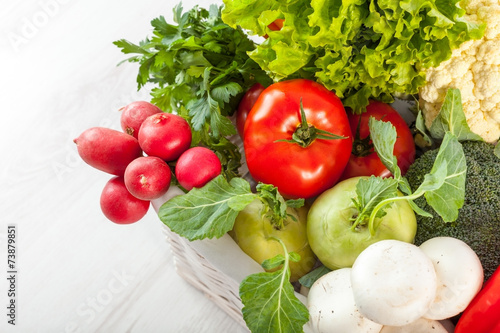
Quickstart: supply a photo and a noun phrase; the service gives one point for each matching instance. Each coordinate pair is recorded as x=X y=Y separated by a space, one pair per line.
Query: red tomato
x=275 y=25
x=298 y=170
x=364 y=160
x=481 y=315
x=246 y=105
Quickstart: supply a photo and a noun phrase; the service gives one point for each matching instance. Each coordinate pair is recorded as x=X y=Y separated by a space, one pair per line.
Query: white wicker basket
x=192 y=266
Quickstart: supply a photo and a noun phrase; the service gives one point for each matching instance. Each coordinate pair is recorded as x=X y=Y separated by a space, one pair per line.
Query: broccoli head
x=478 y=222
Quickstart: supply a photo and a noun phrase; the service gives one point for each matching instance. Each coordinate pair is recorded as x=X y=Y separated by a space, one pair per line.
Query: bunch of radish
x=153 y=146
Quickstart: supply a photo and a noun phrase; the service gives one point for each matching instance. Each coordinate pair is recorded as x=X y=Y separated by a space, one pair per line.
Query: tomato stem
x=361 y=147
x=305 y=133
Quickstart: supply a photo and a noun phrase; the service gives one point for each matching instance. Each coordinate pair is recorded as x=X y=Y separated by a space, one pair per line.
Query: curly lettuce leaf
x=360 y=49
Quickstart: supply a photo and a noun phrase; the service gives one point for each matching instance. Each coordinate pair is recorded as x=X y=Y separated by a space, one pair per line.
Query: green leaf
x=422 y=129
x=311 y=277
x=451 y=118
x=370 y=193
x=276 y=205
x=224 y=92
x=220 y=125
x=294 y=256
x=447 y=197
x=497 y=149
x=435 y=179
x=383 y=135
x=209 y=211
x=419 y=210
x=128 y=47
x=295 y=203
x=274 y=262
x=269 y=302
x=200 y=110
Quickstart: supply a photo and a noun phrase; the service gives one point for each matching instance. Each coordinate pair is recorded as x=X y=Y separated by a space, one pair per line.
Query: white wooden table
x=75 y=270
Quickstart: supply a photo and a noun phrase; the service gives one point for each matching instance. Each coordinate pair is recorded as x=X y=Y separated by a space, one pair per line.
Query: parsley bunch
x=199 y=69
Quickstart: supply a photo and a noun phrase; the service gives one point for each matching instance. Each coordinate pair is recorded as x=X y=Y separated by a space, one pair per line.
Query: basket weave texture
x=193 y=267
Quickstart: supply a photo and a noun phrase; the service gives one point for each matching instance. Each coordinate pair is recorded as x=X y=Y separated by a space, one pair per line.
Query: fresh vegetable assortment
x=386 y=226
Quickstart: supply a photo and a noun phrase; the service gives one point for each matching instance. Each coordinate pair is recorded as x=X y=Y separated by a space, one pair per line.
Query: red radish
x=134 y=114
x=147 y=178
x=196 y=167
x=119 y=206
x=107 y=150
x=165 y=135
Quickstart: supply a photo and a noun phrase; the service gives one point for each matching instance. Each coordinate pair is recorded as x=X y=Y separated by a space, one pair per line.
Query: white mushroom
x=459 y=273
x=393 y=282
x=421 y=325
x=331 y=306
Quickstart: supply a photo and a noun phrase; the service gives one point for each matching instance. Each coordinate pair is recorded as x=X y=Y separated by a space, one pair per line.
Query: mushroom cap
x=393 y=282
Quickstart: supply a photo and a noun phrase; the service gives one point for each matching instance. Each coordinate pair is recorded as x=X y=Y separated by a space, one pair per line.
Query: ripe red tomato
x=246 y=104
x=276 y=24
x=364 y=161
x=277 y=148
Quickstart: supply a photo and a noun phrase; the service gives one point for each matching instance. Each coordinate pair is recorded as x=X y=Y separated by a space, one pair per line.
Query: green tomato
x=329 y=223
x=254 y=233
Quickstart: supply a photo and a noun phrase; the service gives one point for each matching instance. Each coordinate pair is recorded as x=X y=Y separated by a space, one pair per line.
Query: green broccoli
x=478 y=222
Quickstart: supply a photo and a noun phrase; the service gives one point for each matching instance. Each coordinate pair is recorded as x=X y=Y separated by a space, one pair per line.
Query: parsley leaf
x=199 y=68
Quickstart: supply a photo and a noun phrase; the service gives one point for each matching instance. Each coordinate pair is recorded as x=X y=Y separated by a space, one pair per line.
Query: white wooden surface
x=76 y=271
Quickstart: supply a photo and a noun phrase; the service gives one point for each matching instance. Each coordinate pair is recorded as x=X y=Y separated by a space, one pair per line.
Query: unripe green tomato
x=254 y=233
x=329 y=225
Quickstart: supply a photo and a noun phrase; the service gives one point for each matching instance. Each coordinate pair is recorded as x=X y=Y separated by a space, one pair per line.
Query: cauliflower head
x=474 y=68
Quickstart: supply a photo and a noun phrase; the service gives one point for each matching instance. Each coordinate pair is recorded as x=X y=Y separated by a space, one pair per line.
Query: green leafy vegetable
x=269 y=302
x=443 y=187
x=311 y=277
x=199 y=69
x=370 y=193
x=276 y=204
x=359 y=49
x=209 y=211
x=451 y=118
x=385 y=139
x=448 y=177
x=422 y=130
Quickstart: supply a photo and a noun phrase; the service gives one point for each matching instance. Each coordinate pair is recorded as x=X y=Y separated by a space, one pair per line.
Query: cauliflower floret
x=474 y=68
